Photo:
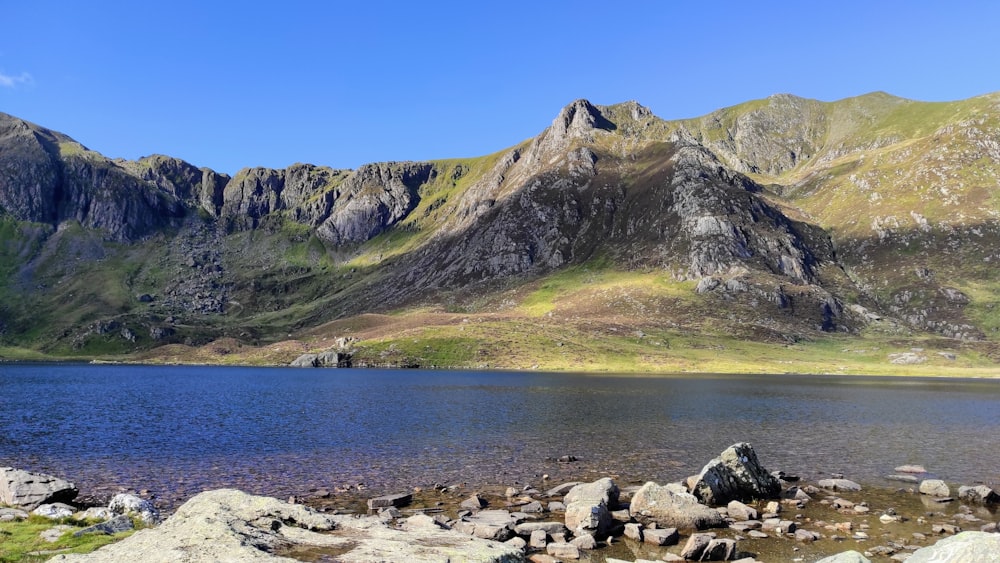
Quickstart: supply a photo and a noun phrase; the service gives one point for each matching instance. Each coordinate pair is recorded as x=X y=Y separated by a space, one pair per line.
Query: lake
x=282 y=431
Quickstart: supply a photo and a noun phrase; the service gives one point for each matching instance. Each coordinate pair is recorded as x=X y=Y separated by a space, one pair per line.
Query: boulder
x=384 y=501
x=588 y=507
x=980 y=547
x=496 y=525
x=603 y=490
x=980 y=494
x=585 y=541
x=723 y=549
x=11 y=514
x=661 y=536
x=695 y=546
x=55 y=510
x=739 y=511
x=668 y=508
x=934 y=488
x=96 y=513
x=30 y=490
x=229 y=525
x=305 y=361
x=563 y=550
x=132 y=505
x=735 y=475
x=538 y=539
x=588 y=517
x=475 y=502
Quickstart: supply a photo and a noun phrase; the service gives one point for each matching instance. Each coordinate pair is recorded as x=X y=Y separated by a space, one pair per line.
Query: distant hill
x=776 y=232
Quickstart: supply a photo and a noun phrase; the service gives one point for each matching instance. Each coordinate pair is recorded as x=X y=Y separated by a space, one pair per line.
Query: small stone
x=475 y=502
x=740 y=511
x=633 y=531
x=910 y=469
x=695 y=546
x=397 y=501
x=661 y=536
x=10 y=514
x=563 y=550
x=538 y=539
x=806 y=535
x=517 y=543
x=54 y=511
x=945 y=529
x=585 y=541
x=533 y=507
x=934 y=488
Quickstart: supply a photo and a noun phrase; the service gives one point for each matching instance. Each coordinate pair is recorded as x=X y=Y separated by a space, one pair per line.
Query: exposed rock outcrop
x=229 y=525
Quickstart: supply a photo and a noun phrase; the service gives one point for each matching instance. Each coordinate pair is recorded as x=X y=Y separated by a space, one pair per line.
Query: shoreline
x=876 y=520
x=973 y=375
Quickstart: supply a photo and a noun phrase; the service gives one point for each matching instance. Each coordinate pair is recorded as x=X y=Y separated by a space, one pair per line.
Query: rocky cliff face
x=833 y=214
x=45 y=177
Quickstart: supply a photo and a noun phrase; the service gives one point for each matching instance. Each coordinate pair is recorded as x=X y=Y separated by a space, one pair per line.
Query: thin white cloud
x=8 y=81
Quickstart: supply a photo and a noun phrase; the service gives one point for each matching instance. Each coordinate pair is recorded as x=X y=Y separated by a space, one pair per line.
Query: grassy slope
x=19 y=541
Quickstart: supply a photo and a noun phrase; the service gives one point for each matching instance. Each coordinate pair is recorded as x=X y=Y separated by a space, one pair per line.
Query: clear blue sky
x=234 y=84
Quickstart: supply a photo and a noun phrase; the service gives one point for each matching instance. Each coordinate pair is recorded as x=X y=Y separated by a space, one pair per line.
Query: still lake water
x=282 y=431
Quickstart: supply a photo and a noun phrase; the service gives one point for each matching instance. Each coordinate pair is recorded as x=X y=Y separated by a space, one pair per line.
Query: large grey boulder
x=31 y=490
x=980 y=547
x=670 y=508
x=735 y=475
x=230 y=525
x=589 y=505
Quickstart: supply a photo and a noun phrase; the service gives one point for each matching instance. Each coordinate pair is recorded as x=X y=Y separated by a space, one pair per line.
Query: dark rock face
x=735 y=475
x=46 y=177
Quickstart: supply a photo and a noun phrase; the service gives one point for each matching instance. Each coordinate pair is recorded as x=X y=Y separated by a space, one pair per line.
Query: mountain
x=781 y=231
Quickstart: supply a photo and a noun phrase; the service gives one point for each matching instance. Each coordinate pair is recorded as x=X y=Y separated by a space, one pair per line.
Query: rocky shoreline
x=733 y=509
